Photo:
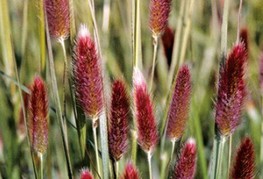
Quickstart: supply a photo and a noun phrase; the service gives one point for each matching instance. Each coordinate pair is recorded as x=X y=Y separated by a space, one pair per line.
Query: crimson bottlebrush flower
x=261 y=71
x=244 y=165
x=244 y=37
x=186 y=164
x=231 y=91
x=86 y=174
x=58 y=18
x=118 y=120
x=179 y=107
x=37 y=116
x=87 y=74
x=159 y=13
x=168 y=43
x=130 y=172
x=146 y=125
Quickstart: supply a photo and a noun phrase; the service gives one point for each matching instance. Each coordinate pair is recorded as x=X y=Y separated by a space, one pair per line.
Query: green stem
x=94 y=127
x=261 y=138
x=134 y=146
x=155 y=45
x=218 y=157
x=224 y=28
x=238 y=19
x=149 y=156
x=172 y=151
x=229 y=154
x=164 y=162
x=41 y=166
x=116 y=168
x=57 y=102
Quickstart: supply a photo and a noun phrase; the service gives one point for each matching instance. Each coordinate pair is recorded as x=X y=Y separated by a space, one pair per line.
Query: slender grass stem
x=42 y=39
x=41 y=166
x=164 y=162
x=218 y=157
x=116 y=168
x=261 y=138
x=238 y=19
x=224 y=28
x=149 y=156
x=94 y=129
x=229 y=153
x=134 y=146
x=172 y=151
x=57 y=102
x=155 y=45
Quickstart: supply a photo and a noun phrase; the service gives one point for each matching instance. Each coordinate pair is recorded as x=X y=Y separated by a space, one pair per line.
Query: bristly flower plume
x=146 y=125
x=37 y=116
x=244 y=166
x=179 y=107
x=231 y=91
x=58 y=18
x=118 y=120
x=130 y=172
x=86 y=174
x=186 y=164
x=159 y=13
x=87 y=74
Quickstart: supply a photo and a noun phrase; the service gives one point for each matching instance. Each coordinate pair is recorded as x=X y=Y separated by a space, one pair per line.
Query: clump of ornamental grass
x=186 y=164
x=130 y=172
x=179 y=107
x=144 y=115
x=58 y=18
x=244 y=163
x=88 y=80
x=159 y=13
x=86 y=174
x=37 y=122
x=230 y=101
x=118 y=121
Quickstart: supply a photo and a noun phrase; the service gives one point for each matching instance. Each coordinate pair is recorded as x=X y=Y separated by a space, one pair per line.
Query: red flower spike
x=261 y=71
x=159 y=13
x=244 y=165
x=58 y=18
x=118 y=120
x=87 y=74
x=179 y=107
x=130 y=172
x=146 y=125
x=86 y=174
x=244 y=37
x=37 y=116
x=168 y=43
x=231 y=91
x=186 y=164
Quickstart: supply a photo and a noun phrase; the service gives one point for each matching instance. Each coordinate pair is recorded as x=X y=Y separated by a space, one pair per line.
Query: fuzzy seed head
x=231 y=91
x=179 y=107
x=38 y=116
x=186 y=164
x=159 y=13
x=118 y=120
x=58 y=18
x=86 y=174
x=244 y=165
x=130 y=172
x=87 y=74
x=145 y=120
